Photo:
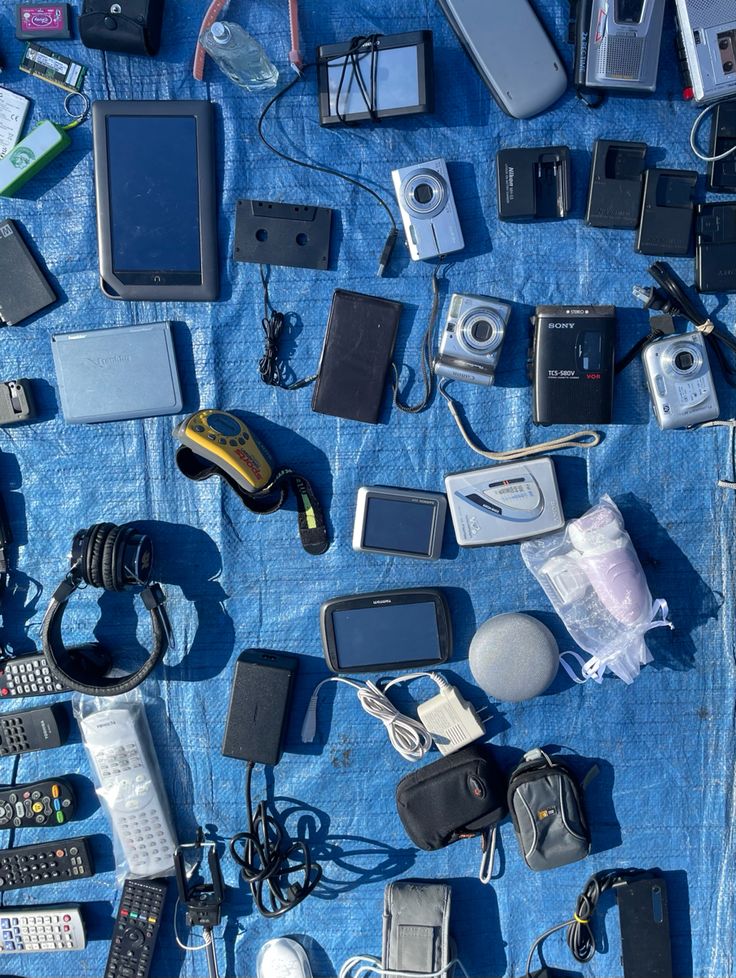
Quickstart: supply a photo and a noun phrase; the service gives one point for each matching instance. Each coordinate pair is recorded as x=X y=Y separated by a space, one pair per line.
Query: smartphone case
x=416 y=927
x=356 y=355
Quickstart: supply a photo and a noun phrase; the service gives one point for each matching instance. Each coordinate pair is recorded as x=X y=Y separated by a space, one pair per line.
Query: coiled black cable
x=366 y=45
x=271 y=367
x=425 y=354
x=267 y=859
x=580 y=939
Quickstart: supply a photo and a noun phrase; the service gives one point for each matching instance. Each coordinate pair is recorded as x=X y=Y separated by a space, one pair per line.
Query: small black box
x=722 y=173
x=260 y=697
x=24 y=290
x=572 y=364
x=666 y=225
x=533 y=184
x=616 y=177
x=715 y=247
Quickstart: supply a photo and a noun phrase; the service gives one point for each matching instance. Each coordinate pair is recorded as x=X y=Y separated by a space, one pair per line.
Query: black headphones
x=115 y=558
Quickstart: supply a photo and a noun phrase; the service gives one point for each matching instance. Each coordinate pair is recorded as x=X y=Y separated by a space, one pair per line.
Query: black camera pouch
x=125 y=26
x=456 y=797
x=546 y=806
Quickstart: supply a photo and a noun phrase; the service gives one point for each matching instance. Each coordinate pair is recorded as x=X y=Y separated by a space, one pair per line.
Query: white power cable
x=371 y=965
x=694 y=132
x=409 y=737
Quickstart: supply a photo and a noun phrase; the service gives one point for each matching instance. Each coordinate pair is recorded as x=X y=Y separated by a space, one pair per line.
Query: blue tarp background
x=665 y=745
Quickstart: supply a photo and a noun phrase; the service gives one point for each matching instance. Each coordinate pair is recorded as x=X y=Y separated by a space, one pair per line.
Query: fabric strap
x=269 y=499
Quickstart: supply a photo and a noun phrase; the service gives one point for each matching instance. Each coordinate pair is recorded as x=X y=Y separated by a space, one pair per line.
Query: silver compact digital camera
x=680 y=380
x=471 y=341
x=428 y=209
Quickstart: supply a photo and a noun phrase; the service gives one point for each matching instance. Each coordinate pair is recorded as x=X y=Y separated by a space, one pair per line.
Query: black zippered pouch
x=456 y=797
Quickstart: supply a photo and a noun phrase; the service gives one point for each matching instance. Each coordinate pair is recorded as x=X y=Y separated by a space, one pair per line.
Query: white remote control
x=115 y=740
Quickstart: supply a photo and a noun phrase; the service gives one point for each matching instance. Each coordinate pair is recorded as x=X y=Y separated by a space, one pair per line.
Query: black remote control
x=136 y=927
x=41 y=803
x=45 y=862
x=29 y=675
x=37 y=729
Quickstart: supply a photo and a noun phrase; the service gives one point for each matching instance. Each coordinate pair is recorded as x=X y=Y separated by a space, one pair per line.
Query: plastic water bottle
x=240 y=56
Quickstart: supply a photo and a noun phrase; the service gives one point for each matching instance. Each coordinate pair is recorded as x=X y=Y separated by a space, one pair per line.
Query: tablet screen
x=398 y=525
x=385 y=634
x=154 y=198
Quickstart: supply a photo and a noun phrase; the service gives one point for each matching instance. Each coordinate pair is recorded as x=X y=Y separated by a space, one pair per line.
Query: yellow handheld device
x=216 y=442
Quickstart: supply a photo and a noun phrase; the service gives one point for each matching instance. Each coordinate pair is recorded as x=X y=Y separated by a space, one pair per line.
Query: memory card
x=54 y=68
x=24 y=290
x=42 y=21
x=13 y=112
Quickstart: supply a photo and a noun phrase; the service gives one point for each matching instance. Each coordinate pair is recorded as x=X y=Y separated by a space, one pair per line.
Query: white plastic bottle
x=240 y=56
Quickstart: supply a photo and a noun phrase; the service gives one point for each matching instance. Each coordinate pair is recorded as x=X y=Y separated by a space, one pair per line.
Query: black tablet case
x=24 y=290
x=356 y=355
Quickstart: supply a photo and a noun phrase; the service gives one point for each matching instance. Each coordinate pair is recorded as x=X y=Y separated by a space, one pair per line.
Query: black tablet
x=386 y=630
x=156 y=201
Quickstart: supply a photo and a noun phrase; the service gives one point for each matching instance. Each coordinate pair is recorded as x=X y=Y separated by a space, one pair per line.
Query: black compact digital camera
x=125 y=26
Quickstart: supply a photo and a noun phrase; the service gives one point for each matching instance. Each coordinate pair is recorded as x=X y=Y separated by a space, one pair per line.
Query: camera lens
x=684 y=360
x=481 y=330
x=423 y=193
x=727 y=67
x=723 y=44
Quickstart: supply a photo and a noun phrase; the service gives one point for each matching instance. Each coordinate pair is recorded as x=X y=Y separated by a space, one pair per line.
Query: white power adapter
x=450 y=720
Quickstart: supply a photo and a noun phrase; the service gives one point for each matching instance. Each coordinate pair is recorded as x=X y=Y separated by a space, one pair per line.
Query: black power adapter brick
x=259 y=703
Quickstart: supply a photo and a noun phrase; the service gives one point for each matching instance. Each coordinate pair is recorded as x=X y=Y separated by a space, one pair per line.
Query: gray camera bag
x=546 y=806
x=416 y=928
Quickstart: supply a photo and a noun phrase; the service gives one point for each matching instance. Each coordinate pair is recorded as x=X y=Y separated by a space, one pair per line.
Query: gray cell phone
x=156 y=202
x=511 y=51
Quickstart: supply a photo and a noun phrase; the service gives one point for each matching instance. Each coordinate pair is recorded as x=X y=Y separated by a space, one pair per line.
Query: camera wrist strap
x=425 y=354
x=269 y=499
x=587 y=438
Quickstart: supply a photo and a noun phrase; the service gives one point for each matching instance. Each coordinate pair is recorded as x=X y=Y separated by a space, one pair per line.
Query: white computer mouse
x=283 y=958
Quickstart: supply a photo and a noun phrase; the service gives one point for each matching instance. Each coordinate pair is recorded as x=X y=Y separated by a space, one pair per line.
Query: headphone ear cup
x=110 y=580
x=93 y=553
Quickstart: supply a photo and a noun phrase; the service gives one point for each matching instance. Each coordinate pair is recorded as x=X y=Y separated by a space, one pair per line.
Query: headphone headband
x=115 y=558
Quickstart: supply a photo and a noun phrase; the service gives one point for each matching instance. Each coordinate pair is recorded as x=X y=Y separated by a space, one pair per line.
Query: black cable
x=271 y=368
x=580 y=939
x=352 y=58
x=321 y=168
x=267 y=859
x=425 y=354
x=694 y=310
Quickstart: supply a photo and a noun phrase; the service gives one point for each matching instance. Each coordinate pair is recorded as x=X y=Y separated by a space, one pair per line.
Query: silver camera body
x=428 y=210
x=680 y=380
x=472 y=338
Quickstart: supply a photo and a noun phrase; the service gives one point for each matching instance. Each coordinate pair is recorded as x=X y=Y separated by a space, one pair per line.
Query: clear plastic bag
x=117 y=738
x=591 y=573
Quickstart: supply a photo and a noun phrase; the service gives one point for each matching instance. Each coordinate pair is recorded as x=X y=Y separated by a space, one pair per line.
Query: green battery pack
x=40 y=147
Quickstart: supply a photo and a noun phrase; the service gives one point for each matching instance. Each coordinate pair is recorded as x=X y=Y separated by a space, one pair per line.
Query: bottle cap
x=220 y=32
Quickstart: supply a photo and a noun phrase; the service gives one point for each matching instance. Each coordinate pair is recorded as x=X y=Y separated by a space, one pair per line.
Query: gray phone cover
x=511 y=52
x=116 y=374
x=416 y=927
x=112 y=287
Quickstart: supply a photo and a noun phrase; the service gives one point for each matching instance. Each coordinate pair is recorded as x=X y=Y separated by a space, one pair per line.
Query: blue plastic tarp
x=665 y=744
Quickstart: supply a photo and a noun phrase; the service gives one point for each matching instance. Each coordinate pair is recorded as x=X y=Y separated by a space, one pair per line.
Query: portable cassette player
x=572 y=364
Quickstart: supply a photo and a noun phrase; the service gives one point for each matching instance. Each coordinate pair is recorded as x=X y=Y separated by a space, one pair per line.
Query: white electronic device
x=13 y=112
x=503 y=503
x=40 y=928
x=131 y=787
x=707 y=43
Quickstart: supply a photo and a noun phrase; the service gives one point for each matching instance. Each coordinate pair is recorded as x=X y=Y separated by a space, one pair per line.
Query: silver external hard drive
x=117 y=373
x=504 y=503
